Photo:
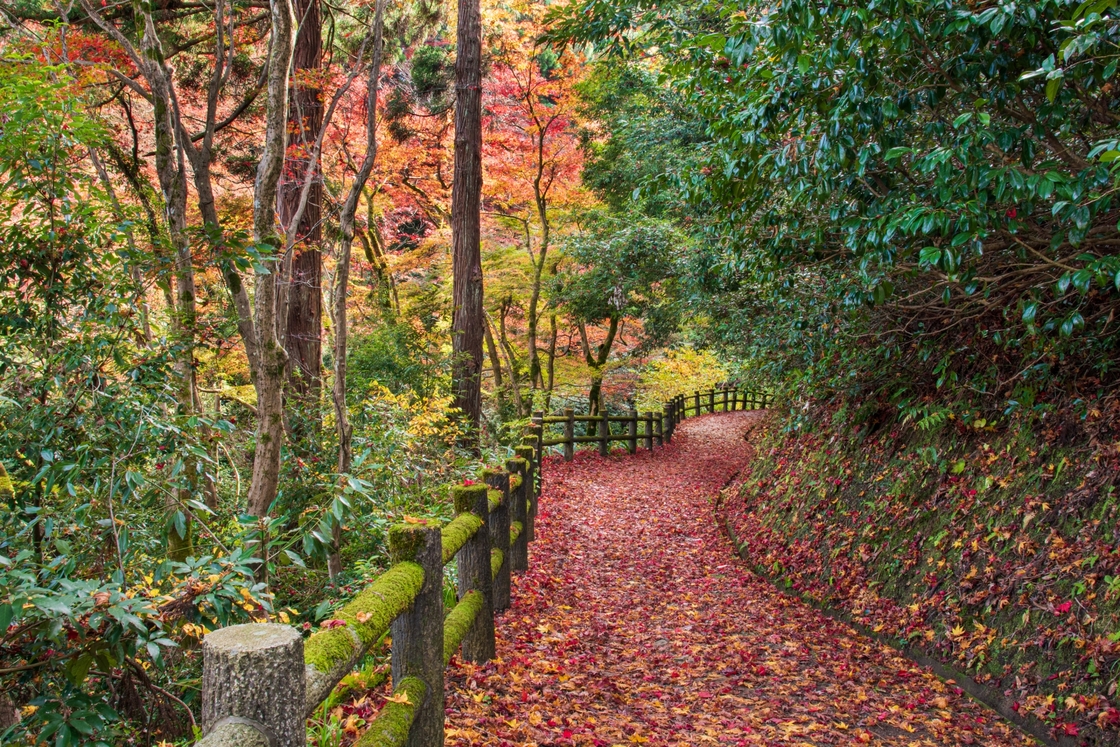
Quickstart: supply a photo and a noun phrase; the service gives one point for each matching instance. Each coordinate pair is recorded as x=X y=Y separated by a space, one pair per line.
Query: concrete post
x=569 y=434
x=252 y=679
x=499 y=534
x=475 y=573
x=418 y=632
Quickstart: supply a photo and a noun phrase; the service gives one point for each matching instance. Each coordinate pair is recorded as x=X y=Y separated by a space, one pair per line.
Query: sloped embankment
x=993 y=553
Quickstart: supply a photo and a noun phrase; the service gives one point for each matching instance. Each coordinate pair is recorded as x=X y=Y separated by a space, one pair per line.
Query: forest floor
x=638 y=624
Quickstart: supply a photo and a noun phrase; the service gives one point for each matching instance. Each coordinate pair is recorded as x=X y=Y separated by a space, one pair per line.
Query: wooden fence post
x=711 y=400
x=647 y=435
x=418 y=632
x=569 y=434
x=235 y=660
x=697 y=395
x=475 y=574
x=519 y=548
x=604 y=431
x=670 y=420
x=632 y=432
x=499 y=534
x=538 y=430
x=725 y=401
x=658 y=428
x=527 y=453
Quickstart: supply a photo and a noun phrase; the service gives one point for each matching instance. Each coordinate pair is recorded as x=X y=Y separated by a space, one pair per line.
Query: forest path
x=638 y=624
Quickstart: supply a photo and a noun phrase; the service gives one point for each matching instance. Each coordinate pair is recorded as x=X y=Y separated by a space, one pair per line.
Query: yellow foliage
x=679 y=372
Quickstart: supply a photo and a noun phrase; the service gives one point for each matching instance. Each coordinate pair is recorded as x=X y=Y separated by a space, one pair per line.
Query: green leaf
x=803 y=63
x=960 y=120
x=1030 y=311
x=1052 y=87
x=77 y=669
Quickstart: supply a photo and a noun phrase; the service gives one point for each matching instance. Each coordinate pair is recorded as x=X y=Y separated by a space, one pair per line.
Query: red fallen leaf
x=567 y=734
x=704 y=694
x=1070 y=730
x=1063 y=608
x=328 y=624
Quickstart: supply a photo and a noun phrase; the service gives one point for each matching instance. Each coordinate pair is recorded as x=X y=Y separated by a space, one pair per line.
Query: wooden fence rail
x=262 y=680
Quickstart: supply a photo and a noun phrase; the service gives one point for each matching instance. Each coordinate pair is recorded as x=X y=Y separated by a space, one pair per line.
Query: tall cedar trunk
x=342 y=278
x=467 y=320
x=303 y=340
x=272 y=359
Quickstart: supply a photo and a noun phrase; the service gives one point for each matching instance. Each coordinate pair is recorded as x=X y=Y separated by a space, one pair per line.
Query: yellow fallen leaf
x=364 y=617
x=401 y=698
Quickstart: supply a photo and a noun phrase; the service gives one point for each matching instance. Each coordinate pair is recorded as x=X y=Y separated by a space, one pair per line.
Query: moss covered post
x=670 y=420
x=499 y=534
x=658 y=428
x=235 y=661
x=418 y=632
x=632 y=433
x=647 y=430
x=697 y=404
x=569 y=434
x=530 y=456
x=519 y=545
x=475 y=573
x=711 y=400
x=725 y=400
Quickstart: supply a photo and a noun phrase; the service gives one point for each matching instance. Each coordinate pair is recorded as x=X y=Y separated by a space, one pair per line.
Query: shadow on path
x=637 y=624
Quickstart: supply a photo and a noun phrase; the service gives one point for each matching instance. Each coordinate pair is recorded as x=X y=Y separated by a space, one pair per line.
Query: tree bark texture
x=303 y=340
x=273 y=358
x=467 y=320
x=342 y=273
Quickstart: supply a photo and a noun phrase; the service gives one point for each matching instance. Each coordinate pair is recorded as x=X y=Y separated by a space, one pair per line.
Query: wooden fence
x=650 y=428
x=262 y=680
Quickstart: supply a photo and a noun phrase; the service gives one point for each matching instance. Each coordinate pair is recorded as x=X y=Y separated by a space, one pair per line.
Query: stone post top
x=251 y=637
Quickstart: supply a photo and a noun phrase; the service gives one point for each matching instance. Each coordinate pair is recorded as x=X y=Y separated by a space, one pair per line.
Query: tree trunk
x=551 y=362
x=496 y=368
x=304 y=329
x=467 y=320
x=595 y=363
x=273 y=360
x=511 y=359
x=342 y=278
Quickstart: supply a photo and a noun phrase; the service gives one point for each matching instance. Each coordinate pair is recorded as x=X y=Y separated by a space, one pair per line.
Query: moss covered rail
x=261 y=681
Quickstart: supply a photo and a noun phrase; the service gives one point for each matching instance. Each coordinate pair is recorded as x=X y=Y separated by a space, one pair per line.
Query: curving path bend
x=637 y=624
